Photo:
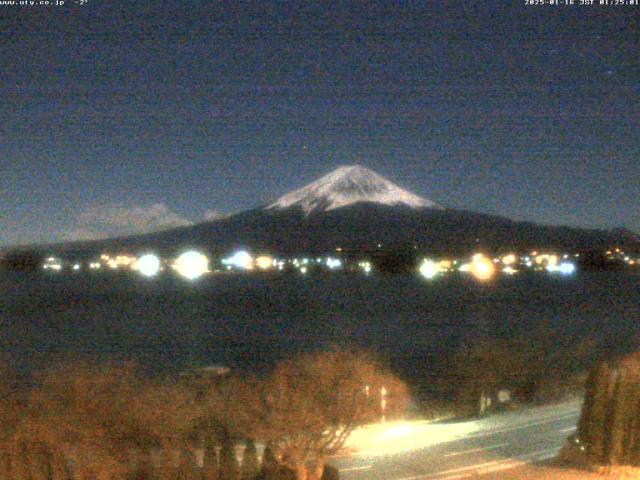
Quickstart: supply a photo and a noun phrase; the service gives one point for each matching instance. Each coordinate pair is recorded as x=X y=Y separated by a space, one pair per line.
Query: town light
x=547 y=259
x=509 y=270
x=567 y=268
x=148 y=265
x=429 y=269
x=333 y=263
x=509 y=259
x=241 y=259
x=191 y=265
x=365 y=266
x=264 y=262
x=445 y=264
x=119 y=261
x=52 y=263
x=481 y=267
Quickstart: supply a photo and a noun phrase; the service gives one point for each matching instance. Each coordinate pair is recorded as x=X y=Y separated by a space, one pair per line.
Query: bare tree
x=85 y=410
x=307 y=408
x=534 y=367
x=167 y=415
x=10 y=414
x=84 y=421
x=106 y=421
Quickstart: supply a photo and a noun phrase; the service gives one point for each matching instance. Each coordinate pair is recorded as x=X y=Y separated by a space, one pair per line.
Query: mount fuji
x=347 y=186
x=357 y=210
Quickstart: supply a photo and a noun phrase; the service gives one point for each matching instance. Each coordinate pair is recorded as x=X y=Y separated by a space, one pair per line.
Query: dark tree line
x=531 y=367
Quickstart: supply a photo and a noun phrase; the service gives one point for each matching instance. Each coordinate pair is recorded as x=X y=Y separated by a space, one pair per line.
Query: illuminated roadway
x=441 y=451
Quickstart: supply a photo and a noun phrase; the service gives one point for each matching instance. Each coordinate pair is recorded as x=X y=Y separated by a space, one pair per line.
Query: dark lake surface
x=250 y=321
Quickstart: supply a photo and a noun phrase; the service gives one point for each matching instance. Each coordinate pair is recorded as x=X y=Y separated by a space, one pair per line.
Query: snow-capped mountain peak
x=348 y=185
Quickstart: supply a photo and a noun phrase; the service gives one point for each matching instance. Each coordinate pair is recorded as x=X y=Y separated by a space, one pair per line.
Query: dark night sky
x=122 y=115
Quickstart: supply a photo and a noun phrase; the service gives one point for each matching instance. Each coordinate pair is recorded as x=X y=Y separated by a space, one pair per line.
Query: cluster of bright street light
x=480 y=267
x=242 y=260
x=564 y=268
x=620 y=255
x=430 y=269
x=190 y=265
x=148 y=265
x=52 y=263
x=483 y=268
x=193 y=264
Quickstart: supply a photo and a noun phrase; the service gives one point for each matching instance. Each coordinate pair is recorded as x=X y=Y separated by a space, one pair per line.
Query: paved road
x=444 y=451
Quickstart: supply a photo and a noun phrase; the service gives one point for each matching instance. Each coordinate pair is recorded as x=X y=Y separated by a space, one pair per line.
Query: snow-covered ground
x=448 y=450
x=396 y=437
x=400 y=436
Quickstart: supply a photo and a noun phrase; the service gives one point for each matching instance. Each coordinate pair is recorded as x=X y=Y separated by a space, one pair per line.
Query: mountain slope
x=347 y=186
x=362 y=227
x=355 y=209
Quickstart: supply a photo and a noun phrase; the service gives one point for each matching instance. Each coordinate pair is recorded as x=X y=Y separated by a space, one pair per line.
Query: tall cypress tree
x=614 y=425
x=5 y=461
x=595 y=425
x=250 y=461
x=20 y=462
x=630 y=433
x=610 y=420
x=187 y=468
x=269 y=463
x=41 y=462
x=587 y=406
x=229 y=469
x=634 y=441
x=210 y=461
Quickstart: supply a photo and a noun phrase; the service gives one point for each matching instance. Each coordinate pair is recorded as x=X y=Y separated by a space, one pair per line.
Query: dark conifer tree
x=229 y=468
x=610 y=421
x=210 y=461
x=250 y=461
x=592 y=427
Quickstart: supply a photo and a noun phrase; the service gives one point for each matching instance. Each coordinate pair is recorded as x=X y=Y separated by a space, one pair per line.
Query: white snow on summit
x=346 y=186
